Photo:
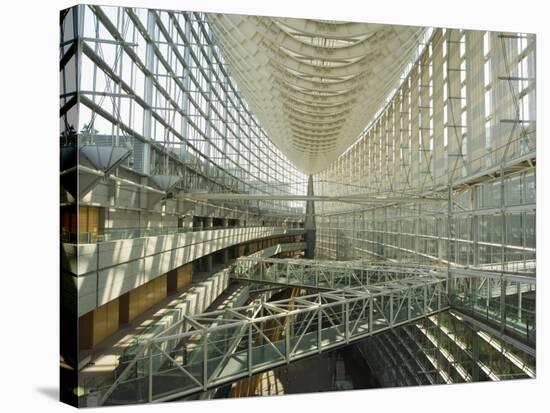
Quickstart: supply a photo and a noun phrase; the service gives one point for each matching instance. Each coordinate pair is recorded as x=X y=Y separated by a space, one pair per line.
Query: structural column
x=225 y=223
x=143 y=148
x=309 y=224
x=186 y=222
x=208 y=260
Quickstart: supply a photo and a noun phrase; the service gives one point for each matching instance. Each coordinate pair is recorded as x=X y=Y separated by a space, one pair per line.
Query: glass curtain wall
x=455 y=149
x=155 y=81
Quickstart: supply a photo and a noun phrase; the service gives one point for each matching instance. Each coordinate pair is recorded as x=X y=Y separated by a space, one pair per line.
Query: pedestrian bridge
x=207 y=350
x=324 y=274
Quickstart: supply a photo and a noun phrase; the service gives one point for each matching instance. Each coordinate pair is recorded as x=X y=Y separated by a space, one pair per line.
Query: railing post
x=262 y=271
x=150 y=349
x=425 y=300
x=205 y=361
x=488 y=299
x=346 y=323
x=409 y=303
x=391 y=309
x=250 y=348
x=319 y=328
x=475 y=355
x=287 y=274
x=287 y=341
x=519 y=301
x=371 y=313
x=502 y=304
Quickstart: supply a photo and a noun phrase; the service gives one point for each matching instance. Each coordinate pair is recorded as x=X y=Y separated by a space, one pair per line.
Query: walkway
x=211 y=349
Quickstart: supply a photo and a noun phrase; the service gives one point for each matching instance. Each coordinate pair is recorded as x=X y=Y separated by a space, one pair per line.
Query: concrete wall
x=104 y=271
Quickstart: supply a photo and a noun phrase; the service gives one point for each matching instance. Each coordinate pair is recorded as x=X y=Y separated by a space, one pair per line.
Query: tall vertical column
x=143 y=149
x=209 y=259
x=309 y=225
x=225 y=223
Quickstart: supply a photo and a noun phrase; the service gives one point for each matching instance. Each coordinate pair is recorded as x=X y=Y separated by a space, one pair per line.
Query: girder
x=354 y=198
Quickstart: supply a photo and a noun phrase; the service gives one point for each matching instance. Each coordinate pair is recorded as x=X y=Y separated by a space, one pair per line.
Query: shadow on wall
x=49 y=392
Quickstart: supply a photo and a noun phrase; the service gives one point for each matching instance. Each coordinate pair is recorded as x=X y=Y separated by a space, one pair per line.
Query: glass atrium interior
x=244 y=193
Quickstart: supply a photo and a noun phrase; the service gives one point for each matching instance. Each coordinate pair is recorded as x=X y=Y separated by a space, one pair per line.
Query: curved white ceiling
x=314 y=85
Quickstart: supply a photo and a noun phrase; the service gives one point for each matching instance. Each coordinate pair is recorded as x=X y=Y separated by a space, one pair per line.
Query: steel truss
x=211 y=349
x=323 y=274
x=502 y=301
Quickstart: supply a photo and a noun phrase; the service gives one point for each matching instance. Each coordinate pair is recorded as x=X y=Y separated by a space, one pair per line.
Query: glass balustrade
x=115 y=234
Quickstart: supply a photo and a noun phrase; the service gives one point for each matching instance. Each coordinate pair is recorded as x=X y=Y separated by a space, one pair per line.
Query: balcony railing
x=115 y=234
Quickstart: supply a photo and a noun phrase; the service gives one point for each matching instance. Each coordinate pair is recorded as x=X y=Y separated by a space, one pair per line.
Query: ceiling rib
x=314 y=85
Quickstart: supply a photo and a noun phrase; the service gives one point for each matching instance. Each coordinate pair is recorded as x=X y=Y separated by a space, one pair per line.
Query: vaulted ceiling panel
x=314 y=85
